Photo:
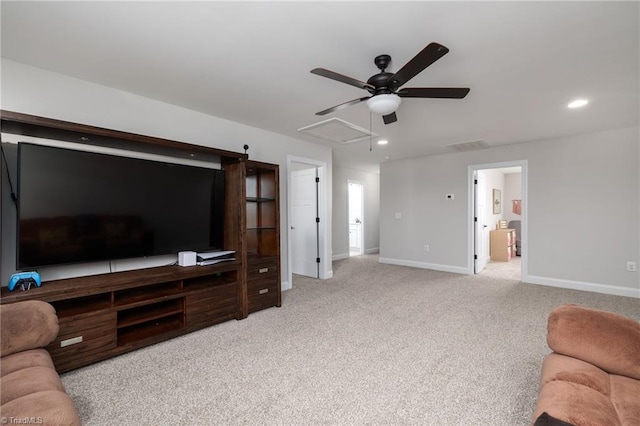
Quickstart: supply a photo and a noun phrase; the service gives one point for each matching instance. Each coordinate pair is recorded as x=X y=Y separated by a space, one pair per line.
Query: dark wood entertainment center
x=106 y=315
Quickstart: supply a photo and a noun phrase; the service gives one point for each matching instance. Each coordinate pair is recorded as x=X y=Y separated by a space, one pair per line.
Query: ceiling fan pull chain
x=370 y=133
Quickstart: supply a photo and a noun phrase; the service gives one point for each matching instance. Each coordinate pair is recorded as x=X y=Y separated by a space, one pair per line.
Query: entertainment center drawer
x=261 y=297
x=262 y=268
x=262 y=283
x=81 y=338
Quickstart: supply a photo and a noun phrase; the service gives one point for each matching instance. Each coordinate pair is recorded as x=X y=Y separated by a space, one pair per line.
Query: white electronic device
x=187 y=258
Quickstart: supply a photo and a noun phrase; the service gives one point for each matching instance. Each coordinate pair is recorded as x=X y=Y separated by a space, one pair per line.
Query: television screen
x=78 y=206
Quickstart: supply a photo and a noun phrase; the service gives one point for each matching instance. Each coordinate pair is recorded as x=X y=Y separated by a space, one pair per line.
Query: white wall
x=583 y=210
x=512 y=191
x=38 y=92
x=340 y=224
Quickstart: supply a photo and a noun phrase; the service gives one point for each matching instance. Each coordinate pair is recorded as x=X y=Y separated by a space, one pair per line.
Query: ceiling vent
x=337 y=130
x=469 y=145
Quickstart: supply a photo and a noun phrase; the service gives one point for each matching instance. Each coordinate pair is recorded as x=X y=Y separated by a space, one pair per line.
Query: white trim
x=340 y=256
x=324 y=227
x=523 y=164
x=424 y=265
x=583 y=286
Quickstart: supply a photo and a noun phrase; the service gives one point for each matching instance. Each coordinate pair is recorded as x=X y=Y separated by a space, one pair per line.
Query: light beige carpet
x=376 y=345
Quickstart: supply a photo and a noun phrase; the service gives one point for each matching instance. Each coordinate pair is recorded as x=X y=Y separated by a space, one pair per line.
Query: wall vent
x=337 y=130
x=469 y=145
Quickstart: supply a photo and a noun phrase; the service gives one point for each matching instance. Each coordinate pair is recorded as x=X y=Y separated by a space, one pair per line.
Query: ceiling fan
x=385 y=88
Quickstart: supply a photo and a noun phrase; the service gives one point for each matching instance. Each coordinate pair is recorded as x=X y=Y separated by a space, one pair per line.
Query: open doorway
x=356 y=215
x=498 y=230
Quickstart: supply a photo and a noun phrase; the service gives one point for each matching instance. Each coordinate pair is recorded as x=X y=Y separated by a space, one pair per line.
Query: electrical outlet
x=426 y=247
x=632 y=266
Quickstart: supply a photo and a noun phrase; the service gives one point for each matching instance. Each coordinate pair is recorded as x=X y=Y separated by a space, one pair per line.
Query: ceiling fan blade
x=434 y=92
x=341 y=78
x=390 y=118
x=422 y=60
x=343 y=105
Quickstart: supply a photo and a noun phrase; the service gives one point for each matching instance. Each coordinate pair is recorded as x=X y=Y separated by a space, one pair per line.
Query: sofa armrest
x=607 y=340
x=27 y=325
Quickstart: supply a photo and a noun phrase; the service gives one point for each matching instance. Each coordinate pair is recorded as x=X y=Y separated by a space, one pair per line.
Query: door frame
x=323 y=213
x=362 y=239
x=309 y=175
x=524 y=220
x=476 y=224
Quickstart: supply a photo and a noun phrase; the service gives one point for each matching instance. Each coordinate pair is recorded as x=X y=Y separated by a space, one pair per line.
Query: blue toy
x=24 y=280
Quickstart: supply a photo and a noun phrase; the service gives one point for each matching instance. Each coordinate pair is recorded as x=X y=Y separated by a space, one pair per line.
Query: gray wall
x=340 y=225
x=583 y=209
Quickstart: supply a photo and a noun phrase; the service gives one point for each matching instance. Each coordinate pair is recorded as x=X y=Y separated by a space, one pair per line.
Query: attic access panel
x=338 y=131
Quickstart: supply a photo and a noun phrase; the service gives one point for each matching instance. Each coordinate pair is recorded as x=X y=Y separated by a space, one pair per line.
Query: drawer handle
x=263 y=270
x=72 y=341
x=264 y=291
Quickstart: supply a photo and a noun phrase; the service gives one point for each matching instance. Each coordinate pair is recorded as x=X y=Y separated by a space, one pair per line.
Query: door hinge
x=475 y=257
x=317 y=180
x=475 y=181
x=317 y=220
x=475 y=219
x=317 y=260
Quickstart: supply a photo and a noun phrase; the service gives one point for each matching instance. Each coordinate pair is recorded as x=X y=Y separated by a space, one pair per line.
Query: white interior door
x=481 y=228
x=304 y=228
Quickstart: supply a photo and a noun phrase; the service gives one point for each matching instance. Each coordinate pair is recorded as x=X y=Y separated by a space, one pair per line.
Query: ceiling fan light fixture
x=384 y=104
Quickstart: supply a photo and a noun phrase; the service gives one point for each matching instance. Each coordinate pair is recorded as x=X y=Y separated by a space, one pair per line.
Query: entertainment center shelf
x=101 y=316
x=133 y=309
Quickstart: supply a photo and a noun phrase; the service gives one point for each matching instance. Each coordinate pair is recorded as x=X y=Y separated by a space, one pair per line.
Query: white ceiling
x=250 y=63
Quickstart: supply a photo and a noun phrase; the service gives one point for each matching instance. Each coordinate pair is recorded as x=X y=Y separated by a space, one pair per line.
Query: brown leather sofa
x=592 y=377
x=31 y=389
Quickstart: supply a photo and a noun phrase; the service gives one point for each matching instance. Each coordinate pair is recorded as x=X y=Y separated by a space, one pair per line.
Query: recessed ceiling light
x=578 y=103
x=383 y=142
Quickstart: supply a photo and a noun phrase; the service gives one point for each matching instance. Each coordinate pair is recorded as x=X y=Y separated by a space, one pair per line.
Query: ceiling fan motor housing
x=381 y=81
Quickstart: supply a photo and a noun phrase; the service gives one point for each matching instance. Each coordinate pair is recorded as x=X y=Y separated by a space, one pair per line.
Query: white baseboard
x=425 y=265
x=339 y=256
x=584 y=286
x=285 y=285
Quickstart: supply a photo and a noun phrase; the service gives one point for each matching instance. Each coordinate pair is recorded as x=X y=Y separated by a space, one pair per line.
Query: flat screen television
x=78 y=206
